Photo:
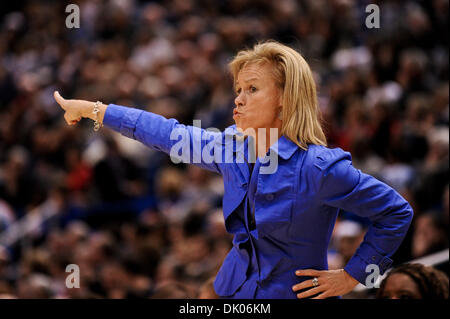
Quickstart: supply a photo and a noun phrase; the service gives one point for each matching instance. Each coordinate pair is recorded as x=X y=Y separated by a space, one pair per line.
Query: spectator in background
x=207 y=290
x=6 y=277
x=445 y=206
x=347 y=236
x=414 y=281
x=429 y=235
x=172 y=290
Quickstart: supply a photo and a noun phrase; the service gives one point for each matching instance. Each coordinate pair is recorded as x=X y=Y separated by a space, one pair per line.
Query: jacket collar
x=284 y=147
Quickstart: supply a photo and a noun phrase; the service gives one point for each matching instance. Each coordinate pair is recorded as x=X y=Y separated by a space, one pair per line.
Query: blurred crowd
x=139 y=226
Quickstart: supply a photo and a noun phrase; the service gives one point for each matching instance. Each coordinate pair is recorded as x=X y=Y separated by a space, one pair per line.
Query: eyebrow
x=249 y=80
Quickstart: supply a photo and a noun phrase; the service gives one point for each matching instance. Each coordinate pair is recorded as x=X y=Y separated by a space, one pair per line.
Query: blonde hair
x=300 y=113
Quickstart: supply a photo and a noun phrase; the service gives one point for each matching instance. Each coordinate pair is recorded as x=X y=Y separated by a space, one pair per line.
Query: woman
x=281 y=220
x=414 y=281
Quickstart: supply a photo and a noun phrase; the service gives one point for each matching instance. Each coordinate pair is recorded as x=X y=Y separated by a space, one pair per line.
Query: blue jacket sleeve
x=188 y=144
x=343 y=186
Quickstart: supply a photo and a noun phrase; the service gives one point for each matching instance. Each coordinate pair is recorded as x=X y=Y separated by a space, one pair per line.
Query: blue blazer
x=294 y=208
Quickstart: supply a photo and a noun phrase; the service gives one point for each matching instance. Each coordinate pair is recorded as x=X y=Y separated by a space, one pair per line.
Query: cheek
x=263 y=102
x=269 y=104
x=267 y=112
x=260 y=112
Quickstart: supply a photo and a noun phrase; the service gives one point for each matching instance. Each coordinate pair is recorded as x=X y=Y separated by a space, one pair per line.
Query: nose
x=239 y=100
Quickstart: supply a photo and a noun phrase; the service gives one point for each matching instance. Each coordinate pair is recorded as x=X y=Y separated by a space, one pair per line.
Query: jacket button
x=269 y=196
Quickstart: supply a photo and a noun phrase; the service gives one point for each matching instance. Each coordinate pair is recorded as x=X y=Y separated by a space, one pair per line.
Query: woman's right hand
x=77 y=109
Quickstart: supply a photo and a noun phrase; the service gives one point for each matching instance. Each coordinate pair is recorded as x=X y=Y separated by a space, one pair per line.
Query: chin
x=240 y=127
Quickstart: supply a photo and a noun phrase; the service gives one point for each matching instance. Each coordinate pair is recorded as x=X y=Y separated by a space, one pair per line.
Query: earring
x=279 y=116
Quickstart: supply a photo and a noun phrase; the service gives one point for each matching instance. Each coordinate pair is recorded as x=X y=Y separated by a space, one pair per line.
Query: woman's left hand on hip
x=325 y=283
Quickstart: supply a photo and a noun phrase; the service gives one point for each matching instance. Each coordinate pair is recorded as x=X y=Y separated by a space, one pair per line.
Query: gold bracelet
x=97 y=124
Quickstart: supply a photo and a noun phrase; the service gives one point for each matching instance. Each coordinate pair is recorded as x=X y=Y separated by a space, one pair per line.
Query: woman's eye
x=252 y=89
x=238 y=91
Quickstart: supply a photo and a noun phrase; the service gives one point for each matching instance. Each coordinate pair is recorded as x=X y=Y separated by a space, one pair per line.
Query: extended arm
x=183 y=143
